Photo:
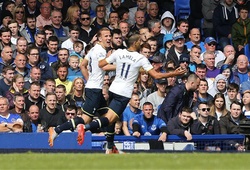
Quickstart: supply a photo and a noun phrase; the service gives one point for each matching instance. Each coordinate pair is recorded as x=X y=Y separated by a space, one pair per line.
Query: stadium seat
x=247 y=51
x=182 y=9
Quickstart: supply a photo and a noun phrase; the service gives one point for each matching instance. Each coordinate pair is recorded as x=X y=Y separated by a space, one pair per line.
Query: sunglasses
x=83 y=19
x=72 y=114
x=211 y=44
x=205 y=109
x=19 y=12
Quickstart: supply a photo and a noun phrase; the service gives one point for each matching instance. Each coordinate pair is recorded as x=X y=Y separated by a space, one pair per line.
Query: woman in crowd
x=218 y=108
x=246 y=103
x=76 y=95
x=19 y=16
x=145 y=84
x=227 y=71
x=16 y=87
x=72 y=17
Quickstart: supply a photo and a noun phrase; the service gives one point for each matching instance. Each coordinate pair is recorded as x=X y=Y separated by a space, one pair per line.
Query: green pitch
x=72 y=161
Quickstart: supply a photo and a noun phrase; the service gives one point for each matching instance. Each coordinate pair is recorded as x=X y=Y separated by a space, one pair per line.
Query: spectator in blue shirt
x=74 y=71
x=147 y=124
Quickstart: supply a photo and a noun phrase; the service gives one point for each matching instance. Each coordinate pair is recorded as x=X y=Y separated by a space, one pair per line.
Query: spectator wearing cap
x=6 y=17
x=195 y=39
x=157 y=97
x=184 y=64
x=177 y=48
x=157 y=63
x=210 y=45
x=224 y=16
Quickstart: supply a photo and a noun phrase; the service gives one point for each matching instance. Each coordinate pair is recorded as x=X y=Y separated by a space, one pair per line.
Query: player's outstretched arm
x=179 y=71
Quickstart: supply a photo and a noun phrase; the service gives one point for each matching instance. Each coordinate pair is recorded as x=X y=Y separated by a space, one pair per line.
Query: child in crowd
x=78 y=50
x=74 y=70
x=167 y=44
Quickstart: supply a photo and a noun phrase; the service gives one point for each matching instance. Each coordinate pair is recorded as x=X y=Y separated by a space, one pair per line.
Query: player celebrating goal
x=95 y=101
x=128 y=62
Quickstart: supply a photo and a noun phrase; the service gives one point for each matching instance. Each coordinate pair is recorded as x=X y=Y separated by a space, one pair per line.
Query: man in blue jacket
x=147 y=124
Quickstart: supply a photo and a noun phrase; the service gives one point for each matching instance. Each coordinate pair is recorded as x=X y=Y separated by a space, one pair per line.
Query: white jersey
x=96 y=74
x=128 y=65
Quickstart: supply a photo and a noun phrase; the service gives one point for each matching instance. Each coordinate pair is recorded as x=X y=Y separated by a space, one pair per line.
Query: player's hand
x=188 y=135
x=163 y=137
x=179 y=71
x=136 y=134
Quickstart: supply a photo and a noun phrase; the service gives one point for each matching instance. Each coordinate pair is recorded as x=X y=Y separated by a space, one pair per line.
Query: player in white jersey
x=128 y=62
x=95 y=101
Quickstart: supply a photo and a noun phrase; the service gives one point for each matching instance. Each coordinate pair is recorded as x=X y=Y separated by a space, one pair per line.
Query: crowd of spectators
x=43 y=43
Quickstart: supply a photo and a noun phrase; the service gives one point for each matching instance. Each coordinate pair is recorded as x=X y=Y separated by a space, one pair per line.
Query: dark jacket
x=229 y=126
x=173 y=56
x=87 y=36
x=211 y=127
x=223 y=20
x=175 y=127
x=176 y=99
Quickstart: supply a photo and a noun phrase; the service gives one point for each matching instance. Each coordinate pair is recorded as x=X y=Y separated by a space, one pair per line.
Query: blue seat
x=181 y=9
x=247 y=51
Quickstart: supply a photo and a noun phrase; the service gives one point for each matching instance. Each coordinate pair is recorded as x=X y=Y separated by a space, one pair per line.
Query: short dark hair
x=35 y=83
x=7 y=68
x=116 y=31
x=147 y=103
x=33 y=47
x=182 y=21
x=61 y=86
x=243 y=7
x=232 y=86
x=237 y=103
x=4 y=29
x=49 y=28
x=40 y=32
x=53 y=39
x=72 y=107
x=186 y=109
x=74 y=28
x=201 y=66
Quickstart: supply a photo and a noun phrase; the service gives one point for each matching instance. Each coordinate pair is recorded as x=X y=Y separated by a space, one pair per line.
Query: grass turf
x=143 y=161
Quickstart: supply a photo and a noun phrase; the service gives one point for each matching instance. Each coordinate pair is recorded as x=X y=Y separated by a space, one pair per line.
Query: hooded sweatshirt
x=168 y=14
x=223 y=19
x=214 y=90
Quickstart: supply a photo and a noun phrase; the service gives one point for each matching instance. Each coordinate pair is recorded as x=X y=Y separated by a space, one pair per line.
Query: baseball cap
x=184 y=57
x=178 y=35
x=209 y=40
x=161 y=81
x=156 y=59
